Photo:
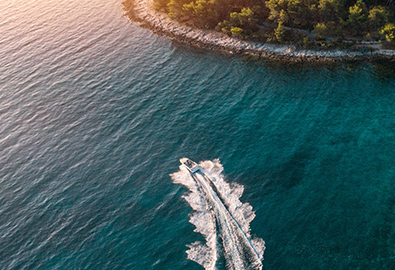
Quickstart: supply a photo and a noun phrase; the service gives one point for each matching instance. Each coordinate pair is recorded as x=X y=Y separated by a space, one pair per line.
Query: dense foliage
x=277 y=20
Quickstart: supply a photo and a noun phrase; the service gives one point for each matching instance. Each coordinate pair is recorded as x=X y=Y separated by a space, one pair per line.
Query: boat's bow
x=189 y=164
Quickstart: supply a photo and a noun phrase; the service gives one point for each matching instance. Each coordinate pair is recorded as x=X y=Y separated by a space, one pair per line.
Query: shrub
x=327 y=29
x=320 y=30
x=389 y=31
x=306 y=43
x=236 y=32
x=280 y=33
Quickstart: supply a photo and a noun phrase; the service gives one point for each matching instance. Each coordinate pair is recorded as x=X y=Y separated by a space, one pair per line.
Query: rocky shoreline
x=142 y=12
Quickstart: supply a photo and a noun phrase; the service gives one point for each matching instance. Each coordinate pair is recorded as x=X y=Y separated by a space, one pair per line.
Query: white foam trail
x=221 y=218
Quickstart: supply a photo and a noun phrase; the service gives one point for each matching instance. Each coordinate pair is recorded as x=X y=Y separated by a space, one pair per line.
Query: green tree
x=280 y=33
x=378 y=16
x=202 y=12
x=282 y=17
x=389 y=31
x=245 y=20
x=176 y=10
x=261 y=13
x=297 y=12
x=357 y=17
x=276 y=7
x=331 y=10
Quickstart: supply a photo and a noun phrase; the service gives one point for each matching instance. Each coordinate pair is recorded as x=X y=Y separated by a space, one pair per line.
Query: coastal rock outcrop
x=143 y=13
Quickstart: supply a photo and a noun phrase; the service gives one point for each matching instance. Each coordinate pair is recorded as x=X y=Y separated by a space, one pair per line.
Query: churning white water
x=221 y=218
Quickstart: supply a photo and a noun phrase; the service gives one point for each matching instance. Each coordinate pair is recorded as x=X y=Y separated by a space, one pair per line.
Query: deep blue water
x=95 y=113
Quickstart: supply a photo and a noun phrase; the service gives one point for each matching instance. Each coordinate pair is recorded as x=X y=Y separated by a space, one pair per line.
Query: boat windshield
x=189 y=163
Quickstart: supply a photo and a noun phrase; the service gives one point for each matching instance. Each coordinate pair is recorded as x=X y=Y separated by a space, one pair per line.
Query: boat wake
x=220 y=217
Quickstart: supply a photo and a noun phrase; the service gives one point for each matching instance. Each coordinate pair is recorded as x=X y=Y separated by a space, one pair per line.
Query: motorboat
x=190 y=165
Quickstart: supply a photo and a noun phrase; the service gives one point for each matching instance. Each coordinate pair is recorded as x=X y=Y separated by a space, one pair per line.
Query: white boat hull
x=191 y=166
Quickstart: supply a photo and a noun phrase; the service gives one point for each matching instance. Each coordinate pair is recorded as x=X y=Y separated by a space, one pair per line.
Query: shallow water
x=95 y=113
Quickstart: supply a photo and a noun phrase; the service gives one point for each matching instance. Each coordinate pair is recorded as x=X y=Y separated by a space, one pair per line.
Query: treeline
x=273 y=19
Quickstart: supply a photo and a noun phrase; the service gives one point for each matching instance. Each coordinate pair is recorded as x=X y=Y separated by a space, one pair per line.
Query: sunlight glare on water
x=95 y=113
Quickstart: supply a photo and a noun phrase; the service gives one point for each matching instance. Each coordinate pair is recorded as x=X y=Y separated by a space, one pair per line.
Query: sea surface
x=95 y=113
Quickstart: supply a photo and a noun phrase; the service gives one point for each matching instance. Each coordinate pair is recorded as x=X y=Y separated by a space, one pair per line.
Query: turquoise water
x=95 y=113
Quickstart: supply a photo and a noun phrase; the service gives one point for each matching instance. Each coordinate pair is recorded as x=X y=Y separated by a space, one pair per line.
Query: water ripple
x=95 y=113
